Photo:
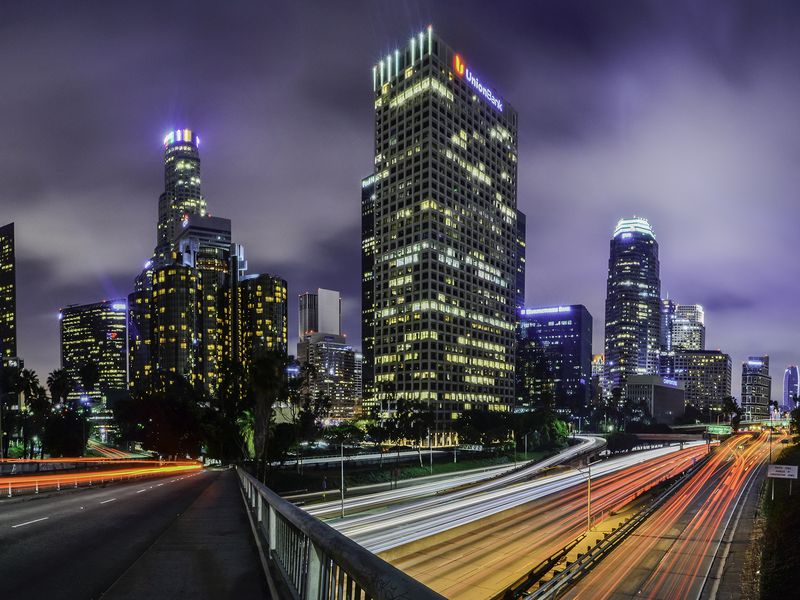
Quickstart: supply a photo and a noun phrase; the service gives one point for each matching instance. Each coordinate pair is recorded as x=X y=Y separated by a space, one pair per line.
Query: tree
x=378 y=433
x=10 y=385
x=734 y=412
x=412 y=421
x=60 y=384
x=40 y=409
x=268 y=386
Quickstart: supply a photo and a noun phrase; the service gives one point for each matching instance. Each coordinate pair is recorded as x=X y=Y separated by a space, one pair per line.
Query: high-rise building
x=688 y=330
x=368 y=292
x=8 y=293
x=791 y=387
x=522 y=222
x=706 y=378
x=182 y=196
x=554 y=356
x=319 y=312
x=667 y=316
x=633 y=303
x=663 y=398
x=359 y=379
x=262 y=320
x=95 y=336
x=756 y=388
x=331 y=372
x=598 y=377
x=446 y=233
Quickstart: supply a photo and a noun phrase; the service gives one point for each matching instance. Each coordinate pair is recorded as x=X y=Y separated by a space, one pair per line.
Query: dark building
x=446 y=233
x=521 y=251
x=8 y=293
x=554 y=357
x=791 y=387
x=662 y=399
x=756 y=388
x=633 y=303
x=368 y=292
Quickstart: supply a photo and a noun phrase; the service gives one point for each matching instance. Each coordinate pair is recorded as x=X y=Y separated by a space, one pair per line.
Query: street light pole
x=430 y=449
x=589 y=498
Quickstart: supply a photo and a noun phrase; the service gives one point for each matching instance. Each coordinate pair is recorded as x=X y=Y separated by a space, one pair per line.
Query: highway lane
x=671 y=554
x=76 y=544
x=479 y=482
x=485 y=556
x=411 y=521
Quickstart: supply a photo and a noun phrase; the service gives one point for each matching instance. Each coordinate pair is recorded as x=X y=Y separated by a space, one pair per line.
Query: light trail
x=136 y=468
x=691 y=522
x=416 y=520
x=489 y=553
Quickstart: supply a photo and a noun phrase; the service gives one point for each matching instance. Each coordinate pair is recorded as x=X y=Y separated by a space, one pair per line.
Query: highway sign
x=782 y=471
x=720 y=429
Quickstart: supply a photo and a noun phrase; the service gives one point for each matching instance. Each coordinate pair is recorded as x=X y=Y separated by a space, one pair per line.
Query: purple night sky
x=680 y=111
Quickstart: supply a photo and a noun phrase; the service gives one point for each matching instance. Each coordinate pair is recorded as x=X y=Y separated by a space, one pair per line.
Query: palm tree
x=60 y=384
x=268 y=386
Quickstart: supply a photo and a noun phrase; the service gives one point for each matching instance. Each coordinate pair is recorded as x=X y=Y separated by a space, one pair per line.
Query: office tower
x=667 y=316
x=182 y=196
x=633 y=303
x=8 y=293
x=204 y=244
x=598 y=378
x=359 y=379
x=688 y=330
x=656 y=398
x=319 y=312
x=445 y=227
x=706 y=378
x=368 y=293
x=756 y=388
x=175 y=309
x=95 y=336
x=554 y=356
x=262 y=320
x=520 y=283
x=329 y=363
x=791 y=387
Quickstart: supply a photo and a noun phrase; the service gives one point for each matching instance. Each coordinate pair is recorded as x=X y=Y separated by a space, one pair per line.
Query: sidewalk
x=207 y=552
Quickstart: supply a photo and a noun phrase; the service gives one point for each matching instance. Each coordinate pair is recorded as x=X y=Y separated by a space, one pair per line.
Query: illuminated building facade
x=182 y=196
x=331 y=367
x=96 y=334
x=319 y=312
x=262 y=320
x=791 y=387
x=193 y=309
x=8 y=293
x=370 y=402
x=633 y=303
x=756 y=388
x=706 y=378
x=446 y=249
x=554 y=357
x=688 y=329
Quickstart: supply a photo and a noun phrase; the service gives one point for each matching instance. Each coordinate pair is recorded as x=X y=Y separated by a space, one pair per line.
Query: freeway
x=412 y=521
x=487 y=480
x=79 y=544
x=516 y=531
x=672 y=553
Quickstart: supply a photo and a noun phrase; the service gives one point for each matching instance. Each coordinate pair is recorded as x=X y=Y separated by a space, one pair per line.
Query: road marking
x=159 y=485
x=29 y=522
x=142 y=490
x=107 y=501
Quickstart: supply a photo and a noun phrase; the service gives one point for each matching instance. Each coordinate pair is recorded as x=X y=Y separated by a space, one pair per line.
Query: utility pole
x=589 y=497
x=341 y=483
x=430 y=449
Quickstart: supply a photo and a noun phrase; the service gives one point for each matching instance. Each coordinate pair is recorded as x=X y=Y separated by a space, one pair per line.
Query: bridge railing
x=309 y=560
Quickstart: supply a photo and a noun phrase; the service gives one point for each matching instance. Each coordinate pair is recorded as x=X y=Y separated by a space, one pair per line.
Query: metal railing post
x=273 y=517
x=316 y=559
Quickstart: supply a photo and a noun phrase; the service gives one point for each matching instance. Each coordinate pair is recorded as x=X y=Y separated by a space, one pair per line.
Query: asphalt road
x=81 y=544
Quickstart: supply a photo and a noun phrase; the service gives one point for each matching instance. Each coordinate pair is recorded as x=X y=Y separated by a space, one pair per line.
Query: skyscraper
x=8 y=293
x=96 y=334
x=262 y=320
x=706 y=378
x=446 y=233
x=756 y=388
x=182 y=196
x=688 y=330
x=633 y=303
x=319 y=312
x=368 y=293
x=330 y=365
x=554 y=356
x=791 y=387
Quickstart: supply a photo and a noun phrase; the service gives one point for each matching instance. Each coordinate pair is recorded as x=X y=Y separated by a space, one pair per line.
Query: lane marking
x=107 y=501
x=140 y=491
x=29 y=522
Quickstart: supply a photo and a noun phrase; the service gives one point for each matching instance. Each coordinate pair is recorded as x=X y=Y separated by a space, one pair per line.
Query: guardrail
x=585 y=562
x=309 y=560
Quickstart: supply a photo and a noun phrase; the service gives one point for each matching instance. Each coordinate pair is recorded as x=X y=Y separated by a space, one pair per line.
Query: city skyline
x=103 y=210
